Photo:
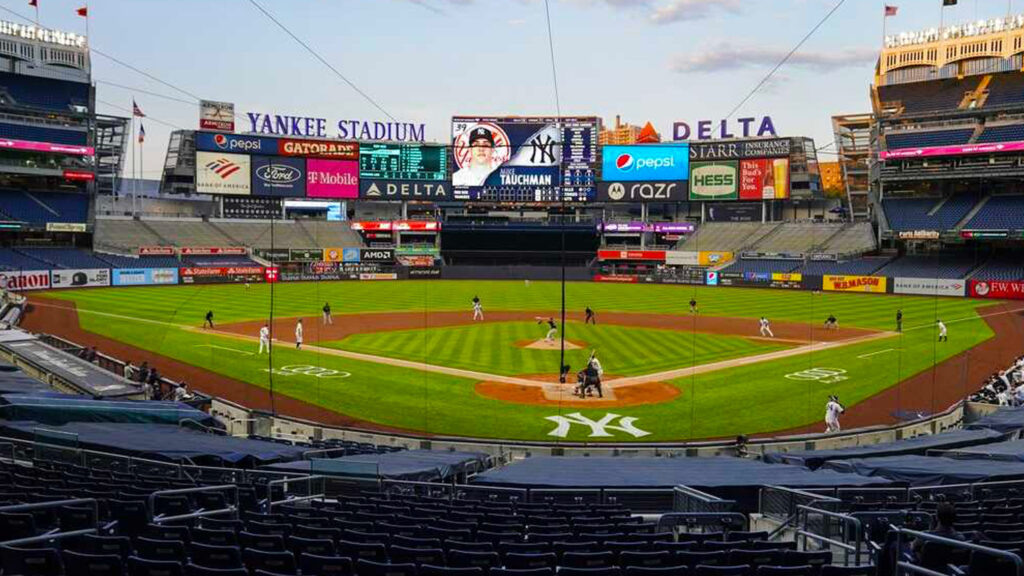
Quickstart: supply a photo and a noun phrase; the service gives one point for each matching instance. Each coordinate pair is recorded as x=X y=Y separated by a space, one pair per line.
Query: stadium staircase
x=978 y=131
x=163 y=241
x=42 y=204
x=972 y=213
x=754 y=241
x=234 y=241
x=822 y=246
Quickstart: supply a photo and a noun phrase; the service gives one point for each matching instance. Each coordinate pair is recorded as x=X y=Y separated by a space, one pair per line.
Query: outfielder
x=478 y=309
x=298 y=335
x=766 y=328
x=942 y=332
x=832 y=411
x=264 y=339
x=552 y=329
x=327 y=313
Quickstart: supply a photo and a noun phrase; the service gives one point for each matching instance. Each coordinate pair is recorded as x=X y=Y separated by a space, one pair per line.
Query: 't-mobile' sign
x=930 y=151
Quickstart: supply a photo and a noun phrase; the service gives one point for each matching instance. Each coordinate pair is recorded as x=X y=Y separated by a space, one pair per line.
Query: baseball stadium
x=526 y=344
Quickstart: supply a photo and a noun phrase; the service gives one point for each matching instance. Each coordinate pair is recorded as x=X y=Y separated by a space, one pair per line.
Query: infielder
x=209 y=319
x=942 y=332
x=899 y=320
x=298 y=335
x=478 y=309
x=552 y=329
x=766 y=328
x=832 y=411
x=590 y=317
x=327 y=313
x=264 y=339
x=693 y=305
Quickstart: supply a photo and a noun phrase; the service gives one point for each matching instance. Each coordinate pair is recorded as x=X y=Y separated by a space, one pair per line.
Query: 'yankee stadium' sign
x=312 y=127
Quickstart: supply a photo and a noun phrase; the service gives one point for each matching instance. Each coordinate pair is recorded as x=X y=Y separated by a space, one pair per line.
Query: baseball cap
x=481 y=133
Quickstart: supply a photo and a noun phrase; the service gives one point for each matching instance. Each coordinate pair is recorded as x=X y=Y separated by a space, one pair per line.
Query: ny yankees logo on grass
x=306 y=370
x=598 y=428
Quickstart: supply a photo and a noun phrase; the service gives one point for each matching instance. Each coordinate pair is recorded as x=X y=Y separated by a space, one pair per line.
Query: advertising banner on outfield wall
x=25 y=280
x=646 y=255
x=143 y=276
x=713 y=258
x=80 y=278
x=682 y=258
x=873 y=284
x=930 y=287
x=676 y=276
x=616 y=278
x=1009 y=290
x=236 y=274
x=753 y=279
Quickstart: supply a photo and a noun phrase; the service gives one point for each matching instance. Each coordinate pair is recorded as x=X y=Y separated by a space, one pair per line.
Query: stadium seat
x=370 y=568
x=222 y=557
x=266 y=542
x=325 y=565
x=818 y=559
x=610 y=571
x=517 y=572
x=319 y=547
x=990 y=565
x=722 y=570
x=786 y=571
x=403 y=555
x=706 y=558
x=282 y=562
x=15 y=525
x=162 y=532
x=120 y=546
x=645 y=559
x=194 y=570
x=469 y=559
x=31 y=561
x=214 y=537
x=165 y=550
x=431 y=570
x=373 y=552
x=78 y=563
x=142 y=567
x=515 y=561
x=680 y=570
x=267 y=573
x=829 y=570
x=587 y=559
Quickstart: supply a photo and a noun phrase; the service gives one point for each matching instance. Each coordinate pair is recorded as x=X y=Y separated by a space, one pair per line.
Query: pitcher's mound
x=543 y=344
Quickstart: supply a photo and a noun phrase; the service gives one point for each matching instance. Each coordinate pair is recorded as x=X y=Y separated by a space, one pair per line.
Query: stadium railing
x=686 y=499
x=231 y=509
x=782 y=504
x=292 y=491
x=905 y=564
x=54 y=504
x=696 y=522
x=831 y=531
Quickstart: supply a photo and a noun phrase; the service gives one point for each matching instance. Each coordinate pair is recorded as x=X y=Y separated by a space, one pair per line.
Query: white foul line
x=874 y=353
x=223 y=348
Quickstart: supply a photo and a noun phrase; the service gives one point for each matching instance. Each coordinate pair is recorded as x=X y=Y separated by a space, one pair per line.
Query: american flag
x=891 y=10
x=136 y=111
x=142 y=133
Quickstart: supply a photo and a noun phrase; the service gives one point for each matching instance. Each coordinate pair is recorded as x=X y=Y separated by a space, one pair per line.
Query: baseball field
x=407 y=356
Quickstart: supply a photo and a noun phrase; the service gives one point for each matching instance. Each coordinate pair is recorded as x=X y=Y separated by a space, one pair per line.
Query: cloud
x=687 y=10
x=728 y=57
x=517 y=22
x=430 y=4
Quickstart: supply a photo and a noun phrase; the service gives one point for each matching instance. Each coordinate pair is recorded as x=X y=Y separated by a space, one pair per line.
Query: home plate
x=551 y=345
x=563 y=393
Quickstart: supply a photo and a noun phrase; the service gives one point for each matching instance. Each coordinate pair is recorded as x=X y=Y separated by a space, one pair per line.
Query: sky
x=423 y=61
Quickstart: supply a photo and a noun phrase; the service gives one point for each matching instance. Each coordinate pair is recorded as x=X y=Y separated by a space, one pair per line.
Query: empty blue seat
x=194 y=570
x=142 y=567
x=223 y=557
x=31 y=561
x=325 y=565
x=281 y=562
x=370 y=568
x=81 y=564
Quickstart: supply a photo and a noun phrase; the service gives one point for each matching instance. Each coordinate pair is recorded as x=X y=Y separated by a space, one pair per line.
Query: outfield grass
x=748 y=399
x=492 y=347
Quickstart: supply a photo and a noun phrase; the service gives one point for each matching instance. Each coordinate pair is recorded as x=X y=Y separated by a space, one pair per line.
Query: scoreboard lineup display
x=403 y=162
x=513 y=159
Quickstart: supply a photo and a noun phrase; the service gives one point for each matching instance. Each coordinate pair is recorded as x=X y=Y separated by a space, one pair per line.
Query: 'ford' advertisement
x=278 y=176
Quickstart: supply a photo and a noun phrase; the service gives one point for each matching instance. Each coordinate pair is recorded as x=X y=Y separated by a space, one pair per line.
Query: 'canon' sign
x=25 y=280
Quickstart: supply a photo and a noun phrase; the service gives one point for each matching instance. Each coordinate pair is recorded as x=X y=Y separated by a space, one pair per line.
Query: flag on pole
x=891 y=10
x=83 y=11
x=136 y=111
x=142 y=132
x=949 y=2
x=33 y=3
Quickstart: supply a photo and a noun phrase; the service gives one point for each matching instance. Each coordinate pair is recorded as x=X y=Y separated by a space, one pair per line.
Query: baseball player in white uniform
x=298 y=335
x=596 y=364
x=264 y=339
x=766 y=328
x=478 y=309
x=942 y=332
x=832 y=411
x=552 y=329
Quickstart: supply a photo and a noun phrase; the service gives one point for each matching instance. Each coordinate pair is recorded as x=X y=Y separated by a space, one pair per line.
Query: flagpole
x=132 y=136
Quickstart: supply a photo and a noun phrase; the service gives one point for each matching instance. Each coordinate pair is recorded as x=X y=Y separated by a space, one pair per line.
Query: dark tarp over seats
x=813 y=459
x=159 y=442
x=1003 y=420
x=417 y=465
x=57 y=410
x=930 y=471
x=1012 y=451
x=14 y=381
x=733 y=478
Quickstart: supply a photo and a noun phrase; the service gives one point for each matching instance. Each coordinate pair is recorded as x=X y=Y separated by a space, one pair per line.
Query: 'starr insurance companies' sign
x=313 y=127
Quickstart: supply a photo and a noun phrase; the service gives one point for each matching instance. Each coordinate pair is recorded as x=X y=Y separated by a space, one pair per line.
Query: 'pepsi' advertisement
x=646 y=163
x=235 y=143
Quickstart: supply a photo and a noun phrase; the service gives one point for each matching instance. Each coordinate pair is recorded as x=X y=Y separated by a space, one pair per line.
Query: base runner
x=478 y=309
x=298 y=335
x=766 y=328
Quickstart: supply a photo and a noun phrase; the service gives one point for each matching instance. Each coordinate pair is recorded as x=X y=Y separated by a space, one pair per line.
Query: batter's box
x=563 y=393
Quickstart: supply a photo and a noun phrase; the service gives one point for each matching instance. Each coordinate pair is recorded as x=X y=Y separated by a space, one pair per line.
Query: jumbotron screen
x=513 y=159
x=403 y=161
